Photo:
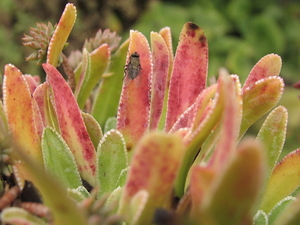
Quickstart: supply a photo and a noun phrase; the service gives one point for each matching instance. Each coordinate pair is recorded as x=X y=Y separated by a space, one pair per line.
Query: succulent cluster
x=156 y=146
x=38 y=40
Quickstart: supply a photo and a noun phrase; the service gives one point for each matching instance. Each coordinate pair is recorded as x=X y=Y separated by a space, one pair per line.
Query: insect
x=133 y=68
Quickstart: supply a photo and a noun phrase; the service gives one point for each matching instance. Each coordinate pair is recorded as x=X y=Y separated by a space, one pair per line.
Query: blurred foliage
x=239 y=31
x=290 y=100
x=17 y=17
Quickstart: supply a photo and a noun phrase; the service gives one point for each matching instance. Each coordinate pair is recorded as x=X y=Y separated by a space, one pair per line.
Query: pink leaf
x=32 y=83
x=154 y=167
x=269 y=65
x=134 y=106
x=40 y=96
x=189 y=73
x=71 y=124
x=193 y=116
x=160 y=74
x=230 y=123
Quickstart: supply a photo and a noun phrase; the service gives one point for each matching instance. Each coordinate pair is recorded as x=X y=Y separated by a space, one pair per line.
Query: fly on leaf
x=133 y=68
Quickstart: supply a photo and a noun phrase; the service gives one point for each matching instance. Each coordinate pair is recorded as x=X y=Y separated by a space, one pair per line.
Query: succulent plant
x=38 y=40
x=156 y=146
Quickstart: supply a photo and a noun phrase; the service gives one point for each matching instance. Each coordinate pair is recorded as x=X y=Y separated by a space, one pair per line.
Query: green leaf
x=290 y=215
x=284 y=180
x=259 y=98
x=111 y=123
x=111 y=161
x=54 y=194
x=122 y=178
x=15 y=215
x=58 y=159
x=279 y=207
x=98 y=62
x=114 y=197
x=272 y=134
x=260 y=218
x=82 y=73
x=108 y=94
x=93 y=128
x=78 y=194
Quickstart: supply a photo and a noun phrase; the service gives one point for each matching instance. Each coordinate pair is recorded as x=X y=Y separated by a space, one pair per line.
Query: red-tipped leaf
x=189 y=73
x=71 y=124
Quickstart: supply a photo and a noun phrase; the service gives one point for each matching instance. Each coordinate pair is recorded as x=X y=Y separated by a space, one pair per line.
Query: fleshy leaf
x=290 y=215
x=195 y=138
x=82 y=72
x=161 y=64
x=185 y=120
x=192 y=117
x=259 y=99
x=15 y=215
x=167 y=36
x=71 y=124
x=230 y=123
x=62 y=208
x=137 y=206
x=99 y=60
x=3 y=124
x=201 y=105
x=61 y=34
x=226 y=145
x=189 y=73
x=269 y=65
x=78 y=194
x=111 y=161
x=38 y=120
x=107 y=99
x=279 y=207
x=19 y=111
x=200 y=183
x=114 y=197
x=122 y=178
x=32 y=84
x=225 y=194
x=153 y=169
x=111 y=123
x=134 y=105
x=42 y=98
x=272 y=134
x=93 y=128
x=283 y=181
x=58 y=159
x=260 y=218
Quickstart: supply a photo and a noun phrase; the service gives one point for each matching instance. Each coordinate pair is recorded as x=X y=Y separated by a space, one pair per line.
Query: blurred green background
x=239 y=33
